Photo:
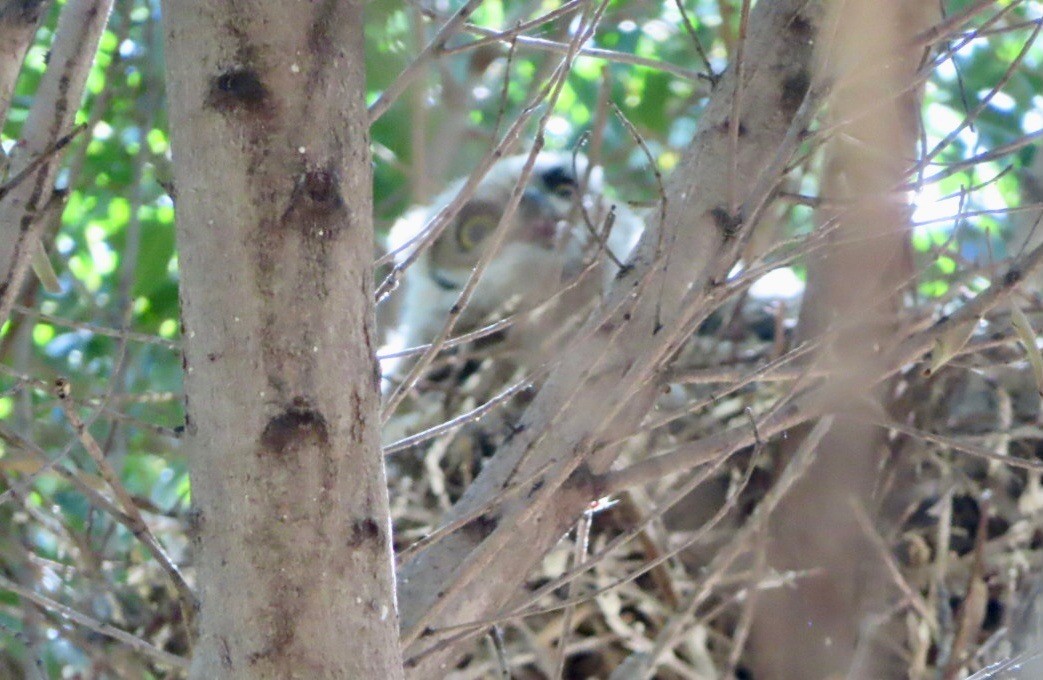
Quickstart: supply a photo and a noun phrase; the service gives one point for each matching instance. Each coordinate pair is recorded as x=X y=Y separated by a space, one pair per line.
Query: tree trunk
x=833 y=622
x=291 y=524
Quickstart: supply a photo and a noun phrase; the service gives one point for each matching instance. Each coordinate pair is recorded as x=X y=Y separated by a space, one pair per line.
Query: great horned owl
x=549 y=243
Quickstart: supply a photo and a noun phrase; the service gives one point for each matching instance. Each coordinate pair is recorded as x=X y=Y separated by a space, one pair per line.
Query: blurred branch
x=508 y=36
x=36 y=163
x=563 y=48
x=137 y=524
x=910 y=350
x=97 y=329
x=950 y=25
x=415 y=67
x=793 y=473
x=135 y=643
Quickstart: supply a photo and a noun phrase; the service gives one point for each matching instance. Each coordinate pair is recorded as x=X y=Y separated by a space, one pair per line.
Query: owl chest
x=520 y=278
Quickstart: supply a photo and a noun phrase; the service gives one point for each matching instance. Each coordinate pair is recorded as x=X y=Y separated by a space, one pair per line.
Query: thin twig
x=379 y=107
x=138 y=526
x=133 y=642
x=40 y=159
x=499 y=235
x=592 y=52
x=579 y=555
x=690 y=29
x=95 y=328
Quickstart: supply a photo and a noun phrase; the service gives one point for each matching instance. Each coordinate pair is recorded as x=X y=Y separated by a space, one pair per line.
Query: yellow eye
x=473 y=230
x=565 y=191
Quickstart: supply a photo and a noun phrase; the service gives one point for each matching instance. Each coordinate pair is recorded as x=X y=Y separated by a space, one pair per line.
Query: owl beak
x=540 y=220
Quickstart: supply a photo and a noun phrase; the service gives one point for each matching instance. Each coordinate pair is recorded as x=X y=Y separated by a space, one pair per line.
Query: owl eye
x=473 y=230
x=565 y=191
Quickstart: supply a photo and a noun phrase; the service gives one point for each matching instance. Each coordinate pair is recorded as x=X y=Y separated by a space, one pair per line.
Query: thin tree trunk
x=50 y=119
x=291 y=530
x=834 y=621
x=19 y=20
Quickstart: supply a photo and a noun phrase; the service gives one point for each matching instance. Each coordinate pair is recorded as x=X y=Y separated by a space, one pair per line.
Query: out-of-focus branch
x=543 y=44
x=792 y=475
x=133 y=642
x=415 y=68
x=136 y=522
x=852 y=296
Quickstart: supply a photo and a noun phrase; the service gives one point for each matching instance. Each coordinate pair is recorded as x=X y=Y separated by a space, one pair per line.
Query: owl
x=548 y=268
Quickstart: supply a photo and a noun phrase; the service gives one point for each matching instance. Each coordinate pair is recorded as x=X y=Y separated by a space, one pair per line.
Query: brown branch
x=38 y=161
x=137 y=524
x=592 y=52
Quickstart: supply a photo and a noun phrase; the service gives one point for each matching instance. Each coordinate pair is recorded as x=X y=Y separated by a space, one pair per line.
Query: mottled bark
x=291 y=525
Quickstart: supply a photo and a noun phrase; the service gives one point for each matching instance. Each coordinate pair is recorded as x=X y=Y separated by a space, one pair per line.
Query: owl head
x=542 y=223
x=546 y=245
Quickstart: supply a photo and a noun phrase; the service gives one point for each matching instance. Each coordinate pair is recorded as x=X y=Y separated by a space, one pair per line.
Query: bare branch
x=50 y=119
x=133 y=642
